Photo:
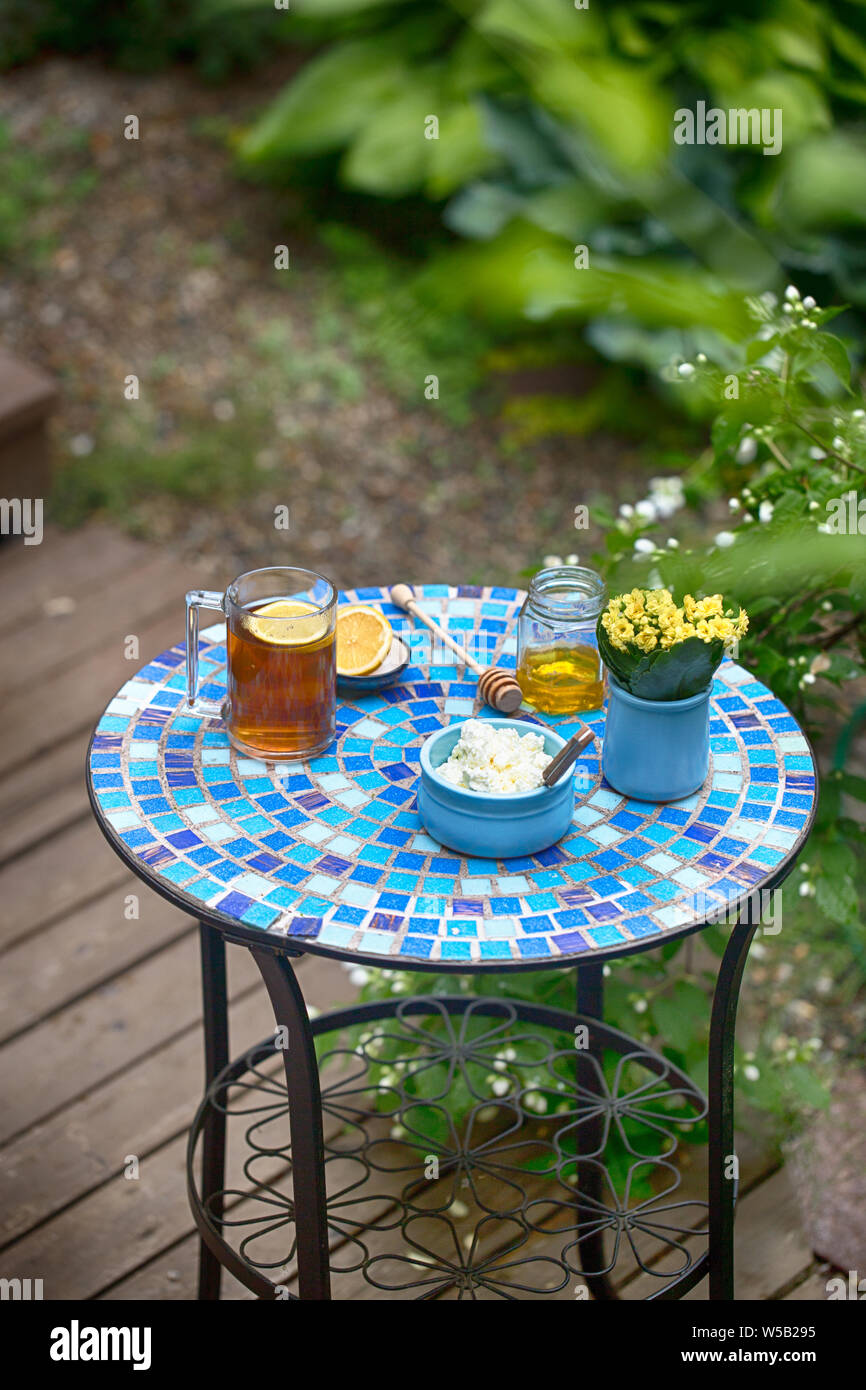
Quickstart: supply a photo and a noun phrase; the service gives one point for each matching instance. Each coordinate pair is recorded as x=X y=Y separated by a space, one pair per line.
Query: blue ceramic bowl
x=487 y=825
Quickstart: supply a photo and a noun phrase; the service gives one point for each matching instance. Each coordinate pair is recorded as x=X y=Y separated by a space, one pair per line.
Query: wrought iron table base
x=504 y=1144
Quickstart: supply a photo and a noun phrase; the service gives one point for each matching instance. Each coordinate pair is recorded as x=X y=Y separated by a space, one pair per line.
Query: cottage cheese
x=490 y=759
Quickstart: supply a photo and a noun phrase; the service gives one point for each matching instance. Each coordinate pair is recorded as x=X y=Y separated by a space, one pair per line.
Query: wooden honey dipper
x=498 y=688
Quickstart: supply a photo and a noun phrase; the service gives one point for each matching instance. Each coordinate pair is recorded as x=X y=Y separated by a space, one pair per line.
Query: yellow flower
x=622 y=631
x=646 y=640
x=707 y=608
x=633 y=611
x=658 y=599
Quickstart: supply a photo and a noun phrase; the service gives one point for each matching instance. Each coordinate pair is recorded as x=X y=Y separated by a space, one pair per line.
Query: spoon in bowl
x=568 y=753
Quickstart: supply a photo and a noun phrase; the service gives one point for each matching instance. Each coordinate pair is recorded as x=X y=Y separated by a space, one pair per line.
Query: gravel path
x=164 y=269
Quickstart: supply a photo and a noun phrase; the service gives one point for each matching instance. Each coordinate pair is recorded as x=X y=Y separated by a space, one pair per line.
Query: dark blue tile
x=234 y=904
x=305 y=926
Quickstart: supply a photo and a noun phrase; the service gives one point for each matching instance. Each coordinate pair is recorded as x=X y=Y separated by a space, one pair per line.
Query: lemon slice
x=364 y=638
x=274 y=624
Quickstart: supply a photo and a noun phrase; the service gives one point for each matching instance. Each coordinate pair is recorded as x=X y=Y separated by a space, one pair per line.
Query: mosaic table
x=329 y=856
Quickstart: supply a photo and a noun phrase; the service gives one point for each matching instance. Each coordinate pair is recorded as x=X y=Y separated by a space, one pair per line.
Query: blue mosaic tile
x=334 y=851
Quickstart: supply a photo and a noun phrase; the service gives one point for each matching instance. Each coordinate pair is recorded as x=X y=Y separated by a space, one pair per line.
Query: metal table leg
x=305 y=1123
x=590 y=1004
x=722 y=1160
x=216 y=1056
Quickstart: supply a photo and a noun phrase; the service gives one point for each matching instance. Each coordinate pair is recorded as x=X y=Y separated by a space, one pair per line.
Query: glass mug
x=281 y=679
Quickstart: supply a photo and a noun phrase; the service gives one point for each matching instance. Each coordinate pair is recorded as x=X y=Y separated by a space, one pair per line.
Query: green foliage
x=789 y=439
x=32 y=186
x=120 y=477
x=675 y=674
x=142 y=35
x=556 y=131
x=394 y=324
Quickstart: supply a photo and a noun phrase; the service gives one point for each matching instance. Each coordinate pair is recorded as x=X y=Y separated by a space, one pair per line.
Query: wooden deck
x=100 y=1024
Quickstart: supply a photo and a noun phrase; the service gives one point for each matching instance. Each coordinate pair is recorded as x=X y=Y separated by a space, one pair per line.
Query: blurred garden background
x=434 y=341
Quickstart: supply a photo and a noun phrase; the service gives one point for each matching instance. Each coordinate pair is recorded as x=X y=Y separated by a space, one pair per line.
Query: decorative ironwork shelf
x=559 y=1174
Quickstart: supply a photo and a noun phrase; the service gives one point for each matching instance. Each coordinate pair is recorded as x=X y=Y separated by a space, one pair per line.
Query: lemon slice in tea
x=287 y=622
x=364 y=638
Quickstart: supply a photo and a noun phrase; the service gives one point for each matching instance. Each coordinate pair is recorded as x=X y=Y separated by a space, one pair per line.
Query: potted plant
x=660 y=660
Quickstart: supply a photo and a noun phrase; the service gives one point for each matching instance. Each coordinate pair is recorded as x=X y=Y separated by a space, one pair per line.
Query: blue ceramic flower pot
x=655 y=750
x=484 y=825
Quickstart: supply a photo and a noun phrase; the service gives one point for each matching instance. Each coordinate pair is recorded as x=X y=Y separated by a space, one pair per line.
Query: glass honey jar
x=558 y=665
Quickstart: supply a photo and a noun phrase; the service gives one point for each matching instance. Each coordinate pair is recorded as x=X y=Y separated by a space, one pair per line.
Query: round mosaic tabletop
x=331 y=854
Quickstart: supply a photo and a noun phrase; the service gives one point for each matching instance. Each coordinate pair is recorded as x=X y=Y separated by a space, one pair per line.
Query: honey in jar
x=558 y=666
x=562 y=680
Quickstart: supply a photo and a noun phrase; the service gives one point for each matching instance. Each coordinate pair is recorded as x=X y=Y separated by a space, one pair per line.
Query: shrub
x=789 y=444
x=555 y=130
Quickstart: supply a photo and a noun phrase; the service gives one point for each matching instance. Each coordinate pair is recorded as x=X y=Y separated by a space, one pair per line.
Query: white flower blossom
x=626 y=510
x=765 y=511
x=667 y=495
x=673 y=543
x=646 y=509
x=746 y=449
x=751 y=1072
x=686 y=369
x=724 y=539
x=643 y=546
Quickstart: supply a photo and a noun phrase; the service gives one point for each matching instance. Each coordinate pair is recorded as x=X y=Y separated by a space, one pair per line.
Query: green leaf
x=328 y=103
x=679 y=1014
x=838 y=898
x=390 y=154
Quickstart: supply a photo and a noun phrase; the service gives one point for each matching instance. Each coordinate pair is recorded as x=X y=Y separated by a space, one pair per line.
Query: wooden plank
x=812 y=1289
x=36 y=784
x=172 y=1277
x=55 y=878
x=81 y=952
x=66 y=564
x=770 y=1246
x=78 y=1251
x=52 y=712
x=135 y=1111
x=770 y=1249
x=97 y=1037
x=107 y=1233
x=46 y=646
x=84 y=1145
x=35 y=824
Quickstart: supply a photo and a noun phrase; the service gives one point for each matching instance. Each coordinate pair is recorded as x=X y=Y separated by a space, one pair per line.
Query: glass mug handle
x=195 y=600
